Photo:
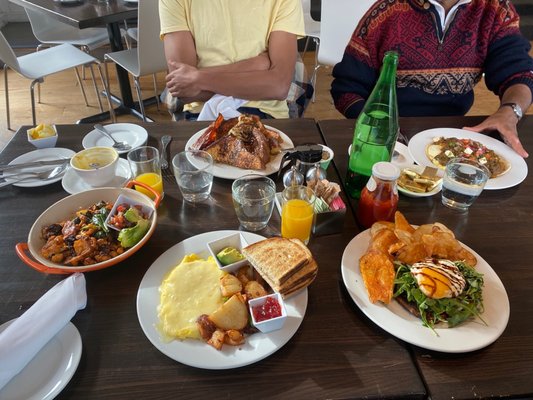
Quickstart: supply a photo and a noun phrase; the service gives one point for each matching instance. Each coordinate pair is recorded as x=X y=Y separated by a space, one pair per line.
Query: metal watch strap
x=516 y=109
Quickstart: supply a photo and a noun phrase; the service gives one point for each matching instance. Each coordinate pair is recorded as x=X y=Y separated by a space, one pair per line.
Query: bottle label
x=371 y=184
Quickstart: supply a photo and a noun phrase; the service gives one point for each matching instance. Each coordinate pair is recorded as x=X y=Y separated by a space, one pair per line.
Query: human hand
x=182 y=81
x=504 y=121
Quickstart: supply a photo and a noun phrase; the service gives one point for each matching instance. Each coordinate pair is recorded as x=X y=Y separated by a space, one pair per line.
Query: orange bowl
x=65 y=209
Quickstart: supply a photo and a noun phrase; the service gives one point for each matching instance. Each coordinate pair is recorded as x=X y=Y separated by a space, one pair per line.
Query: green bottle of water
x=376 y=129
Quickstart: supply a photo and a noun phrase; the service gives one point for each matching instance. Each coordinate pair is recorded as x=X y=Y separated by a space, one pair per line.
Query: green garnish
x=454 y=311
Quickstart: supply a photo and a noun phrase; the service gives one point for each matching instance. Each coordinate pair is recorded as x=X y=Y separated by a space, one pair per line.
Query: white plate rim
x=230 y=172
x=196 y=353
x=403 y=151
x=49 y=153
x=70 y=340
x=393 y=318
x=81 y=186
x=517 y=173
x=94 y=138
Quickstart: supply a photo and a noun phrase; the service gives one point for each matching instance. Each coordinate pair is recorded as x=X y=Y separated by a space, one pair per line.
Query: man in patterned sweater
x=445 y=47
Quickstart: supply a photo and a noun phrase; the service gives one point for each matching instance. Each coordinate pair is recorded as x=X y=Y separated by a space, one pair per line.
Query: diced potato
x=254 y=289
x=229 y=285
x=233 y=314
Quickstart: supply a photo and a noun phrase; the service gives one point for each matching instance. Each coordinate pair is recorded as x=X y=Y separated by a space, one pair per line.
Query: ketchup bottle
x=379 y=198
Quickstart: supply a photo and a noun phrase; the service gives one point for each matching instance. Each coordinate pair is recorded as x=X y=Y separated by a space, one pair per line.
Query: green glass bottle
x=376 y=129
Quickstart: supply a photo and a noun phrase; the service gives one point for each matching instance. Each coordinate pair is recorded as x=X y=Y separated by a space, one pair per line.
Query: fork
x=165 y=140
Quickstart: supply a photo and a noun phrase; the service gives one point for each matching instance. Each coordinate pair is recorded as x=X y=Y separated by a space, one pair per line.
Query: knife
x=9 y=167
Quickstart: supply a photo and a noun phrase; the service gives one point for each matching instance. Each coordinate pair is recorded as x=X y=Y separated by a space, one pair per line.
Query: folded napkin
x=28 y=334
x=218 y=104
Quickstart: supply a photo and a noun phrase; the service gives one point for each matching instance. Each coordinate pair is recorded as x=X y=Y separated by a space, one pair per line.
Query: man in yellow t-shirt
x=246 y=49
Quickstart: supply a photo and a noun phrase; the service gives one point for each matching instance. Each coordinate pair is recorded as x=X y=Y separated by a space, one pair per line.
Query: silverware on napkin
x=10 y=167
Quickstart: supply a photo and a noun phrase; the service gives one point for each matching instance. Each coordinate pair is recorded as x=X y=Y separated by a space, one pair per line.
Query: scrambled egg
x=191 y=289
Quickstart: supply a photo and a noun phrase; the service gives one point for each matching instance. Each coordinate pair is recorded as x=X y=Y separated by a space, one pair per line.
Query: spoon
x=38 y=176
x=165 y=140
x=117 y=145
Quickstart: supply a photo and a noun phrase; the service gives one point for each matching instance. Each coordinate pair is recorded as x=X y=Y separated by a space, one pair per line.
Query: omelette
x=189 y=290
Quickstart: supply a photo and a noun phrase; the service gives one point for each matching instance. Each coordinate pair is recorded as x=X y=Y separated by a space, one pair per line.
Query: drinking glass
x=253 y=199
x=193 y=170
x=145 y=167
x=297 y=212
x=463 y=182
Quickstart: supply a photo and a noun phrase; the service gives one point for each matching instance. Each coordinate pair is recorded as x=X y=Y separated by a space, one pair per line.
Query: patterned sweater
x=437 y=70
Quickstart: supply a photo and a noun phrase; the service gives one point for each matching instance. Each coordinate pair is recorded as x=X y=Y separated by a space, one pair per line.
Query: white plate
x=517 y=173
x=401 y=156
x=48 y=154
x=197 y=353
x=420 y=169
x=393 y=318
x=132 y=134
x=73 y=184
x=229 y=172
x=49 y=371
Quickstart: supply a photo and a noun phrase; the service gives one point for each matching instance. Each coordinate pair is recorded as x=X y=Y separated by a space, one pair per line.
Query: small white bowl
x=271 y=324
x=237 y=241
x=43 y=143
x=122 y=199
x=96 y=166
x=419 y=169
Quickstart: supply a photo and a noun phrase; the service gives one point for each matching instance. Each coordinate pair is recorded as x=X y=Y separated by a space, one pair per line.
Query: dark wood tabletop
x=336 y=352
x=499 y=228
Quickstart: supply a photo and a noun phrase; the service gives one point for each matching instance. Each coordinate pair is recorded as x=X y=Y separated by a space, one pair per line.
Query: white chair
x=149 y=55
x=52 y=32
x=338 y=20
x=38 y=65
x=312 y=31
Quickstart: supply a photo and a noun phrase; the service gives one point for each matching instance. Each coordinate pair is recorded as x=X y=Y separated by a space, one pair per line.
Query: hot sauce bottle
x=379 y=198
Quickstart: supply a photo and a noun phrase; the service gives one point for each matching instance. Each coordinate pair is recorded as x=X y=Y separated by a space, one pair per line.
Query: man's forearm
x=519 y=94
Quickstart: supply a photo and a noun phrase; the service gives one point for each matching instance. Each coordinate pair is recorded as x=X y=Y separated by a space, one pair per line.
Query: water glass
x=193 y=170
x=297 y=212
x=463 y=182
x=145 y=165
x=253 y=199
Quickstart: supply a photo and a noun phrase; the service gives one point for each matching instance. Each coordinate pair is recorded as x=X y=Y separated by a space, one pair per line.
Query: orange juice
x=151 y=179
x=297 y=219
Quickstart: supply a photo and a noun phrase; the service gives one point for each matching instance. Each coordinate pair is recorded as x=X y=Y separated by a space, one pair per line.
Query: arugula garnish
x=454 y=311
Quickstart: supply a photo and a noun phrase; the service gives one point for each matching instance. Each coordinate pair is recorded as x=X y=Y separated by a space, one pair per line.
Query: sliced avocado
x=132 y=214
x=129 y=237
x=229 y=255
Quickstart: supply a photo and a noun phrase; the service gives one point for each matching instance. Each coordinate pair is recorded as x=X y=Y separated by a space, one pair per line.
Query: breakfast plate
x=401 y=156
x=49 y=371
x=132 y=134
x=47 y=154
x=393 y=318
x=196 y=353
x=229 y=172
x=517 y=173
x=72 y=183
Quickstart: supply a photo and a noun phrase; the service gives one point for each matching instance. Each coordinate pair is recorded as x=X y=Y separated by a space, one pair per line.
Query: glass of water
x=193 y=170
x=463 y=182
x=253 y=199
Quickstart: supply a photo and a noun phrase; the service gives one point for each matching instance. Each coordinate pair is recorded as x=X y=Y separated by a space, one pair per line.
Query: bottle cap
x=386 y=171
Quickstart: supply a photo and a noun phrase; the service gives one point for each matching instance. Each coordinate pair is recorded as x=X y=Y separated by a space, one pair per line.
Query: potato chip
x=400 y=223
x=383 y=240
x=378 y=275
x=377 y=226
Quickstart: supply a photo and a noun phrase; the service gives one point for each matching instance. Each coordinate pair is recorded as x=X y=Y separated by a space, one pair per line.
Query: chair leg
x=81 y=86
x=105 y=83
x=96 y=88
x=305 y=47
x=32 y=95
x=317 y=66
x=86 y=50
x=139 y=96
x=154 y=78
x=7 y=97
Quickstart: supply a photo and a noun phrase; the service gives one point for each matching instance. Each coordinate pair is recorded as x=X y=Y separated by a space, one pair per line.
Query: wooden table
x=336 y=353
x=499 y=228
x=92 y=13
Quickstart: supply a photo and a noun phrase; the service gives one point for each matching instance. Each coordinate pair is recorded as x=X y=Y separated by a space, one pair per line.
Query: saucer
x=132 y=134
x=73 y=184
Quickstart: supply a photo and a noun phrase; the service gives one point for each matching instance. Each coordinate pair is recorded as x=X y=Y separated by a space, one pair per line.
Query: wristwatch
x=516 y=109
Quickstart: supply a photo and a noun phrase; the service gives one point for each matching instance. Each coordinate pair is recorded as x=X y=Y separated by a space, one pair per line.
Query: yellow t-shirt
x=227 y=31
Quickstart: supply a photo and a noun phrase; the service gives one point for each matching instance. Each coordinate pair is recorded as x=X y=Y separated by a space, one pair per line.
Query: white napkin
x=219 y=104
x=28 y=334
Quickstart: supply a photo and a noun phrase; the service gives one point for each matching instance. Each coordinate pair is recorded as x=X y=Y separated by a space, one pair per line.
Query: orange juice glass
x=297 y=213
x=145 y=166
